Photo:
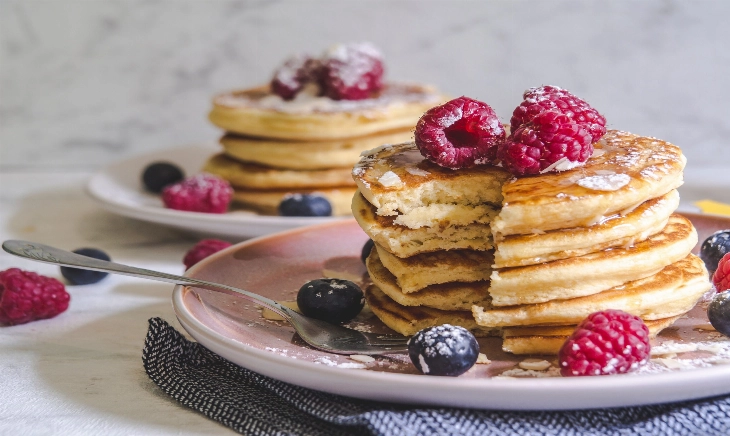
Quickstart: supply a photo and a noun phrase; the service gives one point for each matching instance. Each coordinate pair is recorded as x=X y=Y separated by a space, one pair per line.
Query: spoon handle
x=46 y=254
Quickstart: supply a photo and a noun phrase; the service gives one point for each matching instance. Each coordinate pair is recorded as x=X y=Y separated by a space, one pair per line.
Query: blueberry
x=366 y=249
x=331 y=300
x=160 y=174
x=77 y=276
x=719 y=312
x=714 y=247
x=443 y=350
x=305 y=205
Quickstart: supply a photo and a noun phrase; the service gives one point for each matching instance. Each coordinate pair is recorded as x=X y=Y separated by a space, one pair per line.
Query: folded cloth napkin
x=251 y=403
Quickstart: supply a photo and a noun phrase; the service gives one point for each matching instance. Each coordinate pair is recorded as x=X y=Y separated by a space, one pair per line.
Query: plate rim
x=164 y=216
x=581 y=388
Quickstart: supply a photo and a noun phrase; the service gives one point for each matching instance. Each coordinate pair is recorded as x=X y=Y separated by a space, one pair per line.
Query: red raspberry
x=26 y=296
x=200 y=193
x=203 y=249
x=549 y=142
x=721 y=277
x=543 y=98
x=296 y=72
x=352 y=72
x=606 y=342
x=460 y=133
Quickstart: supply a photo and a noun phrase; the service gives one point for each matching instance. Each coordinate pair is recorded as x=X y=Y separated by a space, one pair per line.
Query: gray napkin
x=254 y=404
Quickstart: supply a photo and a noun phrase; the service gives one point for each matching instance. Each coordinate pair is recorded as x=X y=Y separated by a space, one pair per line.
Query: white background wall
x=85 y=83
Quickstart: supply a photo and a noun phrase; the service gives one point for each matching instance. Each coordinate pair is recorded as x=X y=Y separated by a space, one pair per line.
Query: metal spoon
x=319 y=334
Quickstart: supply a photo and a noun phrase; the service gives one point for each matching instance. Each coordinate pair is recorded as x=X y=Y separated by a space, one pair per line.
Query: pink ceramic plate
x=277 y=265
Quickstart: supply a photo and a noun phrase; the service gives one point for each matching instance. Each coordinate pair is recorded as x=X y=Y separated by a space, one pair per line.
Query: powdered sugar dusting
x=390 y=180
x=306 y=101
x=605 y=182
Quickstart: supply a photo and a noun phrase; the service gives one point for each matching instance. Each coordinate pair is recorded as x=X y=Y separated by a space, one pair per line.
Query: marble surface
x=84 y=84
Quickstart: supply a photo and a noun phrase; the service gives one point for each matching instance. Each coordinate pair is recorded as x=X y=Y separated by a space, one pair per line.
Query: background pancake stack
x=528 y=258
x=273 y=147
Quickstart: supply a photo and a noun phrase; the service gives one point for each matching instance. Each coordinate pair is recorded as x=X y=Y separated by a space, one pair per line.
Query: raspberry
x=200 y=193
x=460 y=133
x=26 y=296
x=543 y=98
x=296 y=72
x=352 y=71
x=549 y=142
x=721 y=277
x=203 y=249
x=606 y=342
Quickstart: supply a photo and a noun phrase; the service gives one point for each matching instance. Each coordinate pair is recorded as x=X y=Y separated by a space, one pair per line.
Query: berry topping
x=305 y=205
x=547 y=98
x=26 y=296
x=460 y=133
x=443 y=350
x=606 y=342
x=721 y=277
x=200 y=193
x=331 y=300
x=77 y=276
x=366 y=249
x=352 y=71
x=714 y=248
x=549 y=142
x=160 y=174
x=296 y=72
x=718 y=312
x=203 y=249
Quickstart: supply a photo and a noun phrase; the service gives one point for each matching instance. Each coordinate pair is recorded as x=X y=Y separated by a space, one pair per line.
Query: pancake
x=445 y=296
x=400 y=182
x=308 y=155
x=671 y=292
x=259 y=112
x=409 y=320
x=619 y=230
x=624 y=171
x=416 y=272
x=517 y=340
x=252 y=176
x=584 y=275
x=267 y=202
x=548 y=340
x=404 y=242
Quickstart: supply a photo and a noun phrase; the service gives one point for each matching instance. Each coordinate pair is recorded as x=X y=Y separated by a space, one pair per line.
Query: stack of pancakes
x=528 y=258
x=274 y=148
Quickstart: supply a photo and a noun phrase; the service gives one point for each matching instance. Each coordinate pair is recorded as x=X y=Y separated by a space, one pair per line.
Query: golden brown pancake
x=517 y=340
x=252 y=176
x=409 y=320
x=625 y=171
x=307 y=155
x=619 y=230
x=258 y=112
x=595 y=272
x=445 y=296
x=421 y=270
x=671 y=292
x=404 y=242
x=548 y=340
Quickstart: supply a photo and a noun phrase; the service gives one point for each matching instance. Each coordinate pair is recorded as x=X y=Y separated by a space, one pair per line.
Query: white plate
x=277 y=265
x=118 y=189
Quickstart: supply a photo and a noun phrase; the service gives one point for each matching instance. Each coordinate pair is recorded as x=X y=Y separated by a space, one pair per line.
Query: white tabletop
x=81 y=372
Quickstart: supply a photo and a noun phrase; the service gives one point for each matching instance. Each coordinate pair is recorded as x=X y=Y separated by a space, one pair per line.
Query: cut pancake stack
x=528 y=258
x=274 y=148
